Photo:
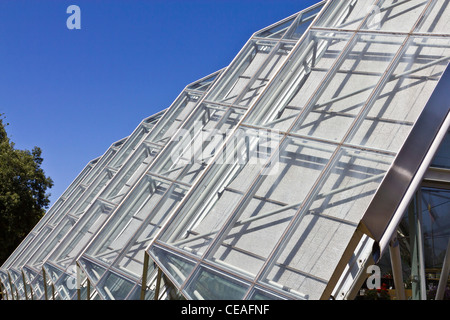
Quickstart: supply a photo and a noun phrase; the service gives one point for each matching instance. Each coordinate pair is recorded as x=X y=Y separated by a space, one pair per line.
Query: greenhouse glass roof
x=281 y=176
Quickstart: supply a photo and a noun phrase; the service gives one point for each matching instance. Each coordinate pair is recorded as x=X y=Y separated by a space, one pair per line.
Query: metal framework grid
x=265 y=179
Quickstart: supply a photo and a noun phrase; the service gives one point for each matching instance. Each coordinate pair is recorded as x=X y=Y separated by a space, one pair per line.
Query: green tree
x=23 y=197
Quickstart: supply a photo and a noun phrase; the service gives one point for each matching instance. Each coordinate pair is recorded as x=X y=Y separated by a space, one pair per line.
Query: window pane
x=196 y=143
x=209 y=285
x=403 y=96
x=128 y=175
x=127 y=219
x=79 y=236
x=251 y=67
x=131 y=257
x=93 y=270
x=221 y=190
x=173 y=118
x=437 y=18
x=270 y=205
x=339 y=101
x=177 y=267
x=114 y=287
x=442 y=157
x=302 y=22
x=298 y=80
x=314 y=244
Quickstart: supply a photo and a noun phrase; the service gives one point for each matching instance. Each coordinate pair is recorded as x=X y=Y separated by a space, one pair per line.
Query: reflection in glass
x=210 y=285
x=177 y=268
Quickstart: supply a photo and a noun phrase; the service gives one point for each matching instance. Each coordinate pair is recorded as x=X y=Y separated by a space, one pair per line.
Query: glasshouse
x=316 y=165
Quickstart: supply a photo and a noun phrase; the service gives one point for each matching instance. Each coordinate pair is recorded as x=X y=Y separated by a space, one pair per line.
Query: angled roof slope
x=268 y=179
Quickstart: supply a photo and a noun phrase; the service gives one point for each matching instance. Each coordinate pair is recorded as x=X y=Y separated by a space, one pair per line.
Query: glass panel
x=302 y=22
x=334 y=108
x=437 y=18
x=92 y=192
x=127 y=219
x=114 y=287
x=209 y=285
x=51 y=242
x=241 y=71
x=270 y=206
x=263 y=76
x=129 y=173
x=67 y=285
x=131 y=257
x=175 y=266
x=196 y=143
x=426 y=219
x=238 y=165
x=319 y=236
x=94 y=271
x=173 y=118
x=38 y=288
x=404 y=95
x=99 y=167
x=79 y=236
x=53 y=273
x=350 y=184
x=260 y=294
x=345 y=14
x=37 y=241
x=436 y=229
x=442 y=157
x=298 y=80
x=129 y=146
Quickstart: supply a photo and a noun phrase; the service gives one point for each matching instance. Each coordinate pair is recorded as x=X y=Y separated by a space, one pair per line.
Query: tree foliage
x=23 y=197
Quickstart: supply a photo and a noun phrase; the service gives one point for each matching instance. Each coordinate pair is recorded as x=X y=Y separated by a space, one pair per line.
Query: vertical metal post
x=416 y=244
x=24 y=286
x=12 y=287
x=423 y=287
x=88 y=289
x=158 y=284
x=396 y=263
x=444 y=274
x=144 y=275
x=45 y=283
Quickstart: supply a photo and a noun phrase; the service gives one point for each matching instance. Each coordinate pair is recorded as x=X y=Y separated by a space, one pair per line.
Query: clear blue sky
x=75 y=92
